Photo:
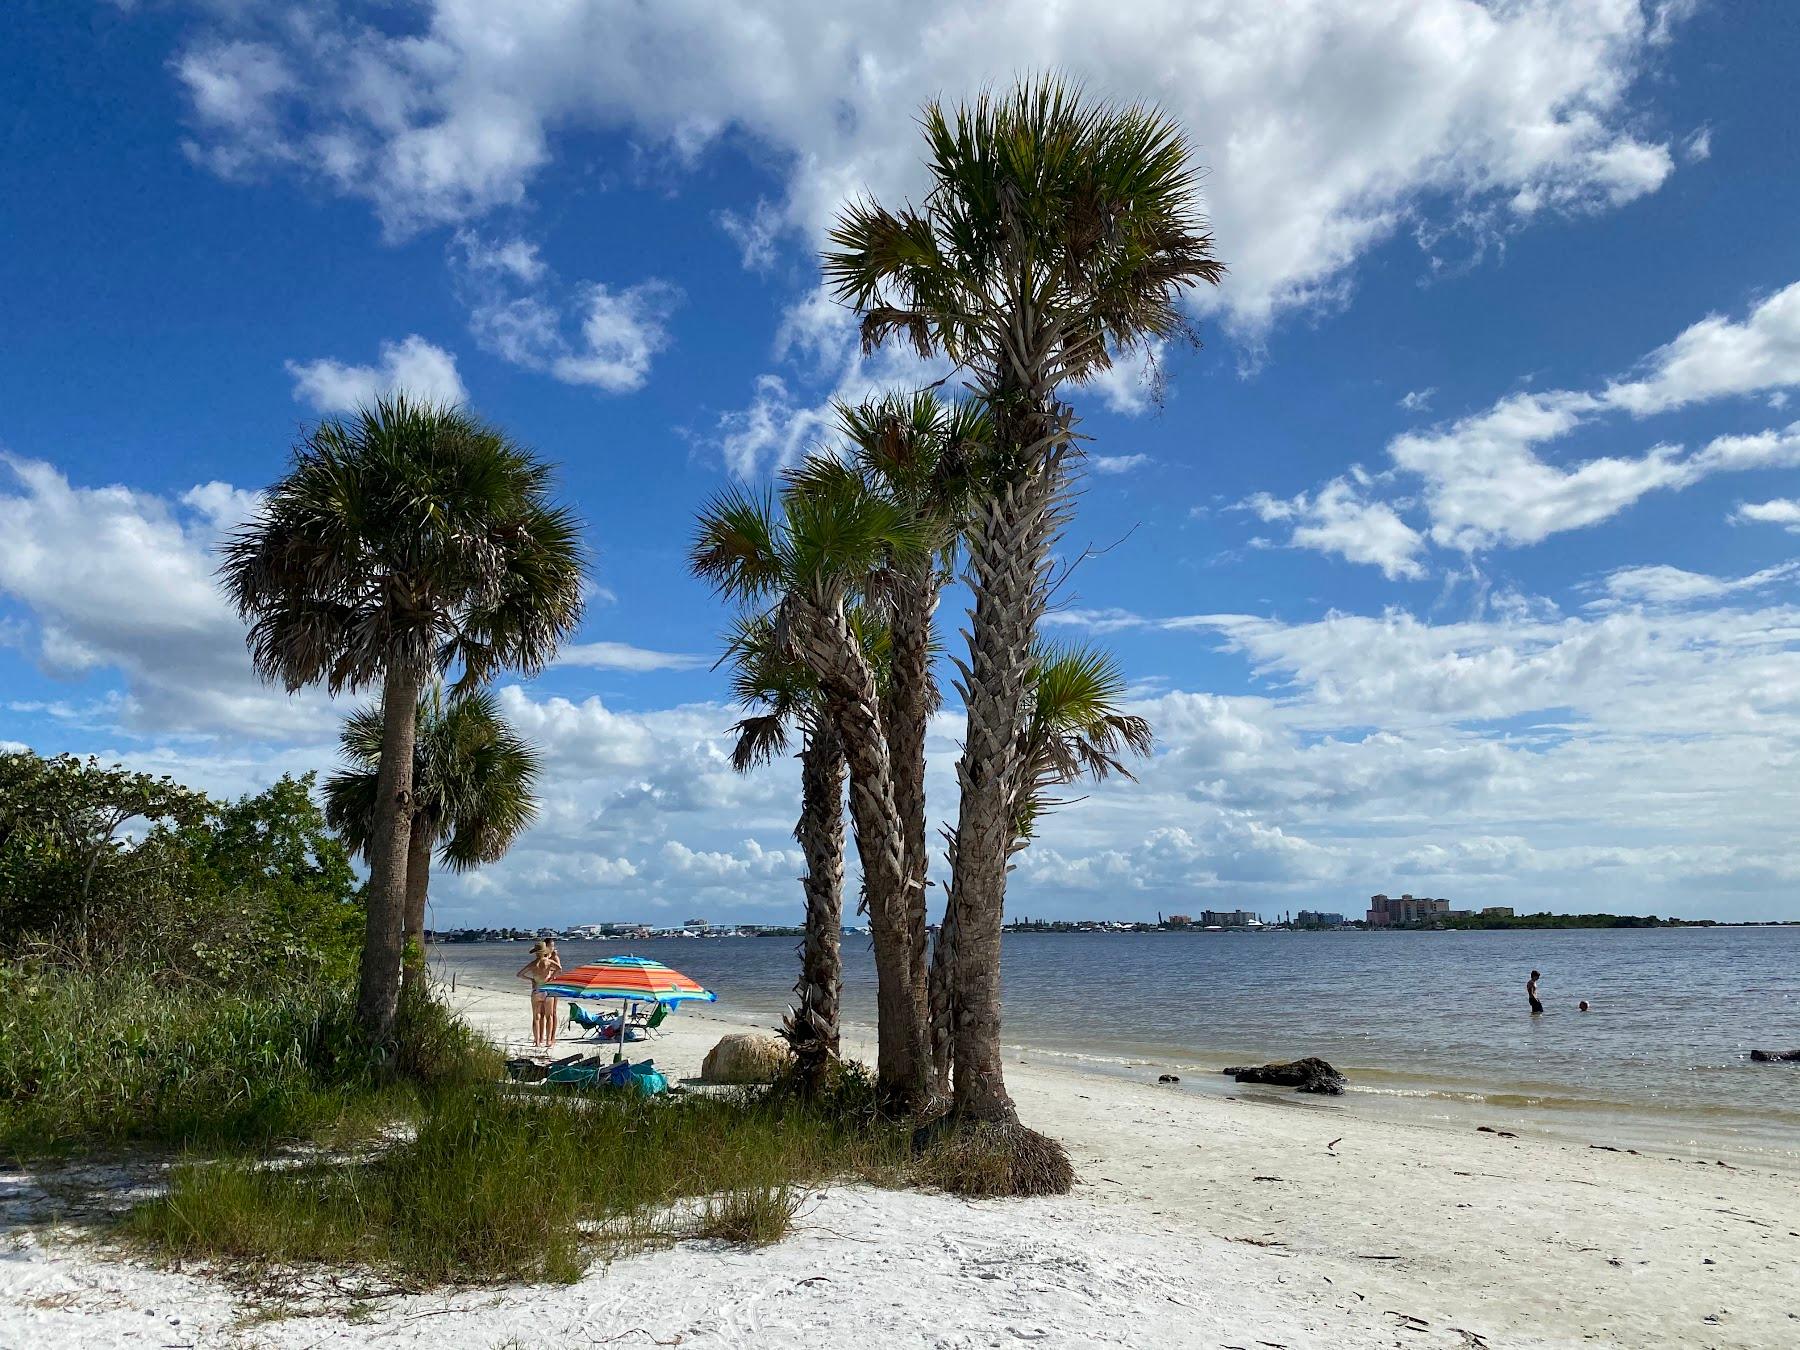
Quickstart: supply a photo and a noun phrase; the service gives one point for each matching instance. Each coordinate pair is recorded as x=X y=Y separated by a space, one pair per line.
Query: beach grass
x=89 y=1061
x=500 y=1184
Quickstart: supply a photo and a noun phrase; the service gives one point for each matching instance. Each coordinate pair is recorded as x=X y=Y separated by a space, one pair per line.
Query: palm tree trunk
x=906 y=712
x=418 y=883
x=378 y=991
x=941 y=980
x=1009 y=562
x=812 y=1025
x=903 y=1059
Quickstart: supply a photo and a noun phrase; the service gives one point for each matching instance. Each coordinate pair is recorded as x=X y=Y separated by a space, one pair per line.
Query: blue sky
x=1459 y=559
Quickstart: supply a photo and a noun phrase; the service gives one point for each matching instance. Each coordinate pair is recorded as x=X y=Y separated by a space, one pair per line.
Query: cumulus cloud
x=819 y=345
x=115 y=579
x=1718 y=357
x=1486 y=480
x=1133 y=383
x=1639 y=752
x=1325 y=128
x=1782 y=511
x=514 y=313
x=1338 y=519
x=411 y=366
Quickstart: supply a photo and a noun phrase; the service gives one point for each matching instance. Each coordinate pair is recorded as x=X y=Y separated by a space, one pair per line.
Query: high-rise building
x=1387 y=912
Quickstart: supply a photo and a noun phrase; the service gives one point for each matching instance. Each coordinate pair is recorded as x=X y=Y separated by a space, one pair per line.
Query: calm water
x=1432 y=1022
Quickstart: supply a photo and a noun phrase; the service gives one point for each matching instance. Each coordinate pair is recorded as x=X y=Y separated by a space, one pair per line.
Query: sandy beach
x=1253 y=1220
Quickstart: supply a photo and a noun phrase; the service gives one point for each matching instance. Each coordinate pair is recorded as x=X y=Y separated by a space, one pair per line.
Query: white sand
x=1198 y=1221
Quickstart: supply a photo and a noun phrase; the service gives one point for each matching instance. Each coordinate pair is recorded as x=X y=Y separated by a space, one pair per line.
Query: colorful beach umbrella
x=630 y=979
x=636 y=979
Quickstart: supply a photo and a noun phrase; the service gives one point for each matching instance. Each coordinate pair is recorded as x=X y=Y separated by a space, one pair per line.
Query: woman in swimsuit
x=555 y=959
x=542 y=966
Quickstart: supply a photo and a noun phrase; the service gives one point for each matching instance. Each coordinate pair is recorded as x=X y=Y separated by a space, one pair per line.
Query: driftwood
x=1303 y=1075
x=1776 y=1056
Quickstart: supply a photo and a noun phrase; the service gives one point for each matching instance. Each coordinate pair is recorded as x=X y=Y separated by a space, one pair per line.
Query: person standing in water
x=1531 y=993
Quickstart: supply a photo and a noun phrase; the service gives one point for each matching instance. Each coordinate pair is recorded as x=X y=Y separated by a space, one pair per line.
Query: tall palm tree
x=405 y=541
x=812 y=562
x=785 y=699
x=926 y=453
x=1058 y=231
x=473 y=780
x=1075 y=730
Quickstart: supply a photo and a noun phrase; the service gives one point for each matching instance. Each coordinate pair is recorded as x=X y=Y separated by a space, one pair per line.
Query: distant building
x=1229 y=918
x=1315 y=918
x=1180 y=921
x=1497 y=912
x=1387 y=912
x=700 y=924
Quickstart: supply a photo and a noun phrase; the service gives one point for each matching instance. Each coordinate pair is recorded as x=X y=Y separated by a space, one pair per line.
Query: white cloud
x=1660 y=584
x=621 y=331
x=755 y=234
x=1116 y=464
x=622 y=656
x=1487 y=482
x=778 y=426
x=1782 y=511
x=1417 y=400
x=1338 y=519
x=237 y=91
x=115 y=579
x=1717 y=358
x=1325 y=127
x=411 y=366
x=1133 y=383
x=512 y=313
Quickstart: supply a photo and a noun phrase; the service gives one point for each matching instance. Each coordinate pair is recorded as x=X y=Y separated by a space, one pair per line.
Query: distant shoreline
x=1089 y=927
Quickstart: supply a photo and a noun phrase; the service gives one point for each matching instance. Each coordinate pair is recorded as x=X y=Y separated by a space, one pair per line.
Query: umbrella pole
x=619 y=1054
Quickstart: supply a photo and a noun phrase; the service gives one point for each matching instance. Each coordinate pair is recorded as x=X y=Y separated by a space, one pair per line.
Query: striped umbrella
x=636 y=978
x=630 y=979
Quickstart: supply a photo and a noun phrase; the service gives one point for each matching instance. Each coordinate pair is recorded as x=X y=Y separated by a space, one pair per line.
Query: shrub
x=86 y=1062
x=755 y=1216
x=497 y=1185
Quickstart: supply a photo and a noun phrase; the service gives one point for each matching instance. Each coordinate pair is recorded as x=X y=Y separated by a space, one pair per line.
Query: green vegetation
x=501 y=1185
x=210 y=894
x=189 y=985
x=88 y=1062
x=1546 y=920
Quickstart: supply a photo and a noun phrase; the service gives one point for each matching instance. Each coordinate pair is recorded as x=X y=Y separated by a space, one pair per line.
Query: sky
x=1458 y=559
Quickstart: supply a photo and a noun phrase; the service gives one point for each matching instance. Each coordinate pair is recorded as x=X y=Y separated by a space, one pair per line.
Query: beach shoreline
x=1526 y=1236
x=1198 y=1219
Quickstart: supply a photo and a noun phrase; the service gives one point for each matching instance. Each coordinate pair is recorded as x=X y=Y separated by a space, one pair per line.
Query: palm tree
x=786 y=698
x=1075 y=730
x=405 y=541
x=1058 y=232
x=813 y=563
x=926 y=453
x=473 y=780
